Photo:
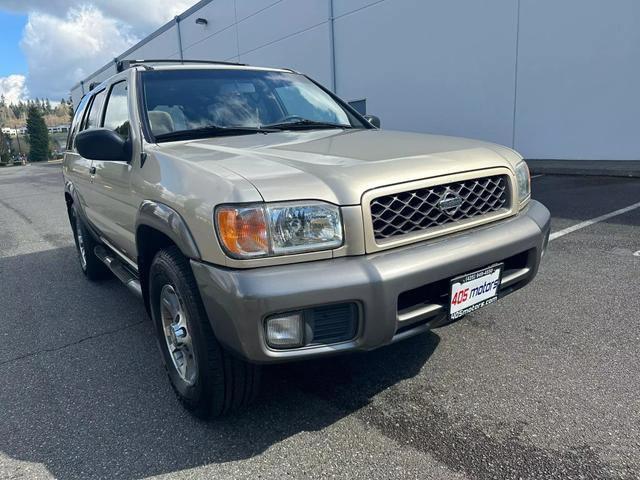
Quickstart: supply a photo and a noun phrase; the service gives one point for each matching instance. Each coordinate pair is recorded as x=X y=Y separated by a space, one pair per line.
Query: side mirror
x=373 y=120
x=103 y=144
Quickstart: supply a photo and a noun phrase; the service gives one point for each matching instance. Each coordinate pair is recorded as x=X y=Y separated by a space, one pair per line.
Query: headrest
x=161 y=122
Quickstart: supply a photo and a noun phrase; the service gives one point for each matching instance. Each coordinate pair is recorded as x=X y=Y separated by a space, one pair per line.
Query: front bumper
x=401 y=292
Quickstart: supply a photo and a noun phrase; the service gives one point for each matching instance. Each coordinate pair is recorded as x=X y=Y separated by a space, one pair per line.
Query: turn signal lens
x=243 y=231
x=524 y=182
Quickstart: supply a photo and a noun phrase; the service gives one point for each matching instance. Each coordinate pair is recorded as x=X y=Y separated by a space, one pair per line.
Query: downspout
x=177 y=19
x=515 y=86
x=332 y=47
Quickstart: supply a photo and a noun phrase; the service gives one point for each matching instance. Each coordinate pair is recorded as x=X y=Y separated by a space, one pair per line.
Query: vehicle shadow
x=83 y=393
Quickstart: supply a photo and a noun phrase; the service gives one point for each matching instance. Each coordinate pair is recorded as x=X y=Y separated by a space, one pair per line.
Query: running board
x=119 y=270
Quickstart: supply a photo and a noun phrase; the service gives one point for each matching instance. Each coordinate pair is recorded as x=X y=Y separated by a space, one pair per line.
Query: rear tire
x=207 y=379
x=91 y=265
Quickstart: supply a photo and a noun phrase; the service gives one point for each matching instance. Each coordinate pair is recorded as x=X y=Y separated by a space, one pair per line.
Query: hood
x=339 y=166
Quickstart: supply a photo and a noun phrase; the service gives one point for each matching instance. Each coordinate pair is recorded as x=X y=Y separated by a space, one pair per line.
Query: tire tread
x=231 y=383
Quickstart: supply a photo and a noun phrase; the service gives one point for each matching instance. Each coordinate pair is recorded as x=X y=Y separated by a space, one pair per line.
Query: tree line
x=35 y=114
x=13 y=113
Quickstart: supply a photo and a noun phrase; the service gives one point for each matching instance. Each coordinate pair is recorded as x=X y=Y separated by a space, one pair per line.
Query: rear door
x=77 y=168
x=91 y=120
x=114 y=205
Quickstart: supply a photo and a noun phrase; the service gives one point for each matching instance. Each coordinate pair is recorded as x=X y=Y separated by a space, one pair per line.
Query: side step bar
x=119 y=270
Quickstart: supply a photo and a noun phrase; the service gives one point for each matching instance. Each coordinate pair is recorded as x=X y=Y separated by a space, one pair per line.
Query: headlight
x=250 y=231
x=524 y=182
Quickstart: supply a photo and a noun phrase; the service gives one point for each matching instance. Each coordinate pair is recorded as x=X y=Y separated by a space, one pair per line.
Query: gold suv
x=262 y=219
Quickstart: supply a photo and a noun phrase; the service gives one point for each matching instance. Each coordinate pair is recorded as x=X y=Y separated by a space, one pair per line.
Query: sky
x=47 y=46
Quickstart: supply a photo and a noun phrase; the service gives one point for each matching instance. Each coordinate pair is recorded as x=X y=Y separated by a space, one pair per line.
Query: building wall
x=425 y=67
x=578 y=77
x=551 y=79
x=164 y=45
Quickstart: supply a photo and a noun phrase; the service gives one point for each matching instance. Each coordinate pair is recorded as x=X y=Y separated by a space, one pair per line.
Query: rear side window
x=116 y=115
x=77 y=119
x=93 y=119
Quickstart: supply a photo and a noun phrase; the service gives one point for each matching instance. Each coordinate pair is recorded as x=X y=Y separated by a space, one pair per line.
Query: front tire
x=207 y=379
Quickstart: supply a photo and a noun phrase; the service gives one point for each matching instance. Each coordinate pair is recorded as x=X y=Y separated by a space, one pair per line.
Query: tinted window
x=77 y=119
x=93 y=119
x=116 y=115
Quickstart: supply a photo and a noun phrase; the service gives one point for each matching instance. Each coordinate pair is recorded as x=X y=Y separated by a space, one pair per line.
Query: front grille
x=418 y=210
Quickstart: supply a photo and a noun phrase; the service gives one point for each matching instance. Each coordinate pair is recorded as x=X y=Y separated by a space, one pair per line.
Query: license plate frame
x=476 y=286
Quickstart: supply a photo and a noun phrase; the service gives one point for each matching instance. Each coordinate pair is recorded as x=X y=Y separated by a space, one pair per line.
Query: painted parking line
x=536 y=176
x=587 y=223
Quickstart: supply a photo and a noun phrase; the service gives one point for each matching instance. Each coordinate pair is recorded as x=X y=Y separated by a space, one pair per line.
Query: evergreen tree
x=38 y=134
x=16 y=109
x=47 y=106
x=4 y=147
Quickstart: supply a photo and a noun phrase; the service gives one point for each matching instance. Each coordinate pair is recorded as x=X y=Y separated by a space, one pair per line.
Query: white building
x=58 y=129
x=14 y=132
x=553 y=79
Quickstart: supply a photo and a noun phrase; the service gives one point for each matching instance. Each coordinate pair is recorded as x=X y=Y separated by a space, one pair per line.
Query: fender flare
x=169 y=222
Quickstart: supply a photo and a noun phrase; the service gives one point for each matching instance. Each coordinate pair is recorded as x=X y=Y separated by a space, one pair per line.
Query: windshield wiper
x=305 y=123
x=212 y=131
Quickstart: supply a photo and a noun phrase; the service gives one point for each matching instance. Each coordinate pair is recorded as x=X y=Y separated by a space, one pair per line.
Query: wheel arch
x=72 y=202
x=159 y=226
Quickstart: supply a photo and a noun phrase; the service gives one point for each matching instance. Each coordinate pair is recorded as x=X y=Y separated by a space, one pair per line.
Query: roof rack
x=122 y=65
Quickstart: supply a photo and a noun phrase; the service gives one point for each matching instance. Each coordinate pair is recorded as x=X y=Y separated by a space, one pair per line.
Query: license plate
x=472 y=291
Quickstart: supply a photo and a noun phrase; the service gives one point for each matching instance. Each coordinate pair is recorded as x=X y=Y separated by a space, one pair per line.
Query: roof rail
x=122 y=65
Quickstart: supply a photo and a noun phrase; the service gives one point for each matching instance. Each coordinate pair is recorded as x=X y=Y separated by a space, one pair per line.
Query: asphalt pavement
x=543 y=384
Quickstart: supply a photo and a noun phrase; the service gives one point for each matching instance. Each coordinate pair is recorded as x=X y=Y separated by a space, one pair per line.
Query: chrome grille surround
x=407 y=213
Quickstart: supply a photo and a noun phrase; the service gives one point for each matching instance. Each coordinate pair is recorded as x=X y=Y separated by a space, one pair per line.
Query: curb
x=604 y=168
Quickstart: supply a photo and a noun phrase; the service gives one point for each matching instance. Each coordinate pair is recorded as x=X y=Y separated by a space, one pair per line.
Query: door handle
x=92 y=170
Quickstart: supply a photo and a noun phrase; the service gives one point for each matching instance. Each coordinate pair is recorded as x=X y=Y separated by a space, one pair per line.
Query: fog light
x=285 y=331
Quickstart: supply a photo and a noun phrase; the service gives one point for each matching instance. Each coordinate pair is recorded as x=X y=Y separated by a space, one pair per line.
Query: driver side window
x=116 y=115
x=92 y=120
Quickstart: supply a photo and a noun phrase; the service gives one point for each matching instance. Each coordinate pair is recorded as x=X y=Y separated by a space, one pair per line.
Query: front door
x=114 y=207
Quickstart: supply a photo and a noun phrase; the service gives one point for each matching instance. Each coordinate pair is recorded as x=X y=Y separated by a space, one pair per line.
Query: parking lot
x=544 y=384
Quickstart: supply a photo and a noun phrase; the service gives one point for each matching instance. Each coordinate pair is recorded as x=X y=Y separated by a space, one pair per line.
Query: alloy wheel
x=177 y=335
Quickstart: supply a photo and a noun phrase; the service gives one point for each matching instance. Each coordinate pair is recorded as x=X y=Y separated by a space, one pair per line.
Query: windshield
x=217 y=101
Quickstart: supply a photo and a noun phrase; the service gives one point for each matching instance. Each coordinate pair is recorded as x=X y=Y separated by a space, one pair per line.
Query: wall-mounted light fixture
x=201 y=21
